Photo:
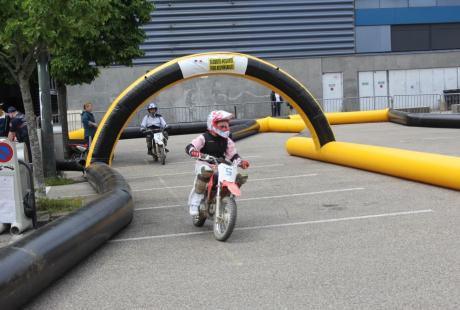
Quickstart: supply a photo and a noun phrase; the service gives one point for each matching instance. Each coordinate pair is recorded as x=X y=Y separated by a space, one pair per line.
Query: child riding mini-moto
x=214 y=142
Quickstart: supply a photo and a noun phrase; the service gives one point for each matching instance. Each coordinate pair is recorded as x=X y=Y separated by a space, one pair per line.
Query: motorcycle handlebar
x=213 y=160
x=155 y=130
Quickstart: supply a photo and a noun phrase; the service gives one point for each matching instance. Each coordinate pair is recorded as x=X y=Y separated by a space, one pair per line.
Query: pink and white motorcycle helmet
x=216 y=116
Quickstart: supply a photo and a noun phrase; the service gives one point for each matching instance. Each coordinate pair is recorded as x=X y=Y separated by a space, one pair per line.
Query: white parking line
x=285 y=177
x=304 y=194
x=149 y=162
x=192 y=160
x=264 y=197
x=251 y=180
x=158 y=188
x=343 y=219
x=184 y=173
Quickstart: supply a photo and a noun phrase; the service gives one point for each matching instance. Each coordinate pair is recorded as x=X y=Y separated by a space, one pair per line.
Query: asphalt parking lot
x=309 y=235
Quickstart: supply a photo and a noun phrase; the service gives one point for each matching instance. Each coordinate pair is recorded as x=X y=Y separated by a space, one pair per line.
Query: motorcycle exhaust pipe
x=18 y=228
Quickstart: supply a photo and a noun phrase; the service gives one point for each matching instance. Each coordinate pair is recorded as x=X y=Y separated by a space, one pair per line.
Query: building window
x=445 y=36
x=425 y=37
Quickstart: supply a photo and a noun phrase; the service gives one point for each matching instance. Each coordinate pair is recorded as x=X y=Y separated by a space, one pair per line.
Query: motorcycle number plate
x=158 y=137
x=227 y=172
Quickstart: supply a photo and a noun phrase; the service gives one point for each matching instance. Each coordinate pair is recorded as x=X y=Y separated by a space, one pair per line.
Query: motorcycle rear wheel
x=224 y=228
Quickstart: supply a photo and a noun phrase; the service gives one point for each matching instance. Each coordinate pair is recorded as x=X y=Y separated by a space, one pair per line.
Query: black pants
x=88 y=140
x=276 y=108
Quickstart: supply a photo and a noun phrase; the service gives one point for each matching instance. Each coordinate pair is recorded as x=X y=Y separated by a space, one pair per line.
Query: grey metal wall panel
x=263 y=28
x=394 y=3
x=448 y=2
x=373 y=39
x=418 y=3
x=375 y=4
x=367 y=4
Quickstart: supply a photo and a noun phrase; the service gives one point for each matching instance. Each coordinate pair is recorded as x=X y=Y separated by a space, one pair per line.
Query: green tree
x=99 y=41
x=82 y=29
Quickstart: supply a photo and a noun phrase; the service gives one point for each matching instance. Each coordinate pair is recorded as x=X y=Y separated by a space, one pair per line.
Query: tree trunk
x=62 y=106
x=33 y=137
x=47 y=135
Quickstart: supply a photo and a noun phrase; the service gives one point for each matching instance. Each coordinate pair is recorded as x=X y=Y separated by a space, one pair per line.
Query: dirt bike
x=78 y=153
x=158 y=144
x=219 y=202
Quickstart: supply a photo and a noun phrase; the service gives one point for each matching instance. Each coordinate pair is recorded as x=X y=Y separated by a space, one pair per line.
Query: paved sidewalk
x=81 y=189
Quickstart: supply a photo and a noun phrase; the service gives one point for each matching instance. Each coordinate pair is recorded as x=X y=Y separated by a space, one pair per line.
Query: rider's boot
x=194 y=202
x=197 y=193
x=149 y=148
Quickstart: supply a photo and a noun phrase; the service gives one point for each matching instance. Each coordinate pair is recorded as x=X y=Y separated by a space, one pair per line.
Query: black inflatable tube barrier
x=176 y=129
x=173 y=129
x=244 y=130
x=70 y=165
x=31 y=264
x=437 y=120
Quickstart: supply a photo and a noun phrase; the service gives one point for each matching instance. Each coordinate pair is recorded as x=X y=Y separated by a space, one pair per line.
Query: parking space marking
x=191 y=160
x=191 y=172
x=158 y=188
x=250 y=180
x=304 y=194
x=286 y=177
x=334 y=220
x=149 y=163
x=264 y=197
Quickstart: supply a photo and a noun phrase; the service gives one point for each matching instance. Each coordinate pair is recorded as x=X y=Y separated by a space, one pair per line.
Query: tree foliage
x=104 y=33
x=78 y=34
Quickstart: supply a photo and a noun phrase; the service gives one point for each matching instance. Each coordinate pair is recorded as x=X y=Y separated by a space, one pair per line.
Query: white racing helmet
x=152 y=106
x=216 y=116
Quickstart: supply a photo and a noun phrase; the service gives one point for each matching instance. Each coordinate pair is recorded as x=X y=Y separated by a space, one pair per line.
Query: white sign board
x=7 y=202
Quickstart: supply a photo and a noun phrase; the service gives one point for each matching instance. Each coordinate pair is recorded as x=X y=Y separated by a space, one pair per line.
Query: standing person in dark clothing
x=18 y=129
x=276 y=103
x=89 y=122
x=18 y=126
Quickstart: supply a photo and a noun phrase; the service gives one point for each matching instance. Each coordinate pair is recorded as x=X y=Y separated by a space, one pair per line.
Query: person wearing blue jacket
x=89 y=122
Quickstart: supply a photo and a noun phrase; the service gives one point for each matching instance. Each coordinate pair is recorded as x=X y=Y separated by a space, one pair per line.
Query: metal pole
x=49 y=160
x=62 y=107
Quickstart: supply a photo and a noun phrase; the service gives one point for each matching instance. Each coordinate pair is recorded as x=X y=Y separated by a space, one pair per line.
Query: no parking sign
x=8 y=182
x=6 y=152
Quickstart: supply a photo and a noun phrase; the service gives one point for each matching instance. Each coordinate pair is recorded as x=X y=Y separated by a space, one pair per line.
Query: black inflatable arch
x=221 y=63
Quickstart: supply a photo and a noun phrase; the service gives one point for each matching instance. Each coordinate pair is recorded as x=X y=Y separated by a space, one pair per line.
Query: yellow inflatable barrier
x=296 y=124
x=77 y=134
x=339 y=118
x=271 y=124
x=435 y=169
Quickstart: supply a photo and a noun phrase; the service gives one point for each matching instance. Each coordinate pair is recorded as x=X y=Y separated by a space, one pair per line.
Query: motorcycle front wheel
x=223 y=228
x=162 y=155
